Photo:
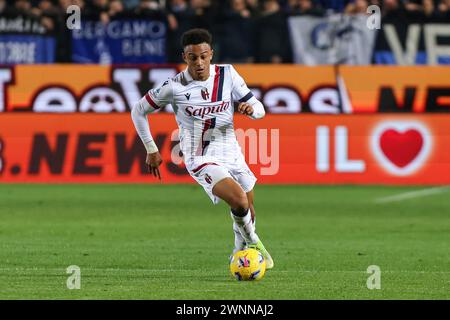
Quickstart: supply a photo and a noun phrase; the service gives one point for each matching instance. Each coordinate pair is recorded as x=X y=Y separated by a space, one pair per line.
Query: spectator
x=98 y=10
x=254 y=7
x=357 y=7
x=22 y=7
x=179 y=20
x=235 y=38
x=150 y=9
x=410 y=11
x=271 y=43
x=444 y=8
x=303 y=7
x=116 y=8
x=412 y=5
x=391 y=8
x=42 y=6
x=442 y=11
x=51 y=18
x=428 y=9
x=201 y=14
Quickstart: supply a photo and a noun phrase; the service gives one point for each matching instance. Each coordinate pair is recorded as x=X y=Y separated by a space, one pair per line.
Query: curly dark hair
x=196 y=36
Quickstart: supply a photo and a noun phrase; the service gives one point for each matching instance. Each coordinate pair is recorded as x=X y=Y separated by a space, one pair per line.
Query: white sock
x=239 y=241
x=246 y=227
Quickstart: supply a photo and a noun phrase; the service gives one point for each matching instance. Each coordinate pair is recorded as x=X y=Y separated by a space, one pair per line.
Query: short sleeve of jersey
x=240 y=91
x=159 y=97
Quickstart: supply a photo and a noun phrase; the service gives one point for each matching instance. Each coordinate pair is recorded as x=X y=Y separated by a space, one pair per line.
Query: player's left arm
x=248 y=104
x=253 y=108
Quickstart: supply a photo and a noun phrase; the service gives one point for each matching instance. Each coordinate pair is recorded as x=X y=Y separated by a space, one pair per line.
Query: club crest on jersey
x=205 y=94
x=208 y=178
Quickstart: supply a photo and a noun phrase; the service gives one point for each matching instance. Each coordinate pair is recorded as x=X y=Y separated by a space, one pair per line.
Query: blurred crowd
x=243 y=30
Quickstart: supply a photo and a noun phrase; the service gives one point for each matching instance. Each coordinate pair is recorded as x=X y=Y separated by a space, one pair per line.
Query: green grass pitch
x=171 y=242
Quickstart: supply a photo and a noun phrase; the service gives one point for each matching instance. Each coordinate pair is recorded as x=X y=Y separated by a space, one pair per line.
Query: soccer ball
x=248 y=264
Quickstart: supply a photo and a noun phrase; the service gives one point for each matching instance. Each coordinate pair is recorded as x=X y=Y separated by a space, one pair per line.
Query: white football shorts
x=209 y=173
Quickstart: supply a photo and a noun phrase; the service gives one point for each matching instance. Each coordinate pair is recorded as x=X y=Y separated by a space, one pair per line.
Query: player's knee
x=239 y=204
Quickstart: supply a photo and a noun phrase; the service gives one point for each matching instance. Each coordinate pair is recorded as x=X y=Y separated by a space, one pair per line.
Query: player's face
x=198 y=58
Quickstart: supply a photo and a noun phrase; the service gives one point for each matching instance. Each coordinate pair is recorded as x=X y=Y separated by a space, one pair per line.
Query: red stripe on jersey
x=204 y=165
x=206 y=126
x=216 y=85
x=151 y=102
x=203 y=144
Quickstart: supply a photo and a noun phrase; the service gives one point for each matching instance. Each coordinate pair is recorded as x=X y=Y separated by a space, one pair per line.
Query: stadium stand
x=245 y=31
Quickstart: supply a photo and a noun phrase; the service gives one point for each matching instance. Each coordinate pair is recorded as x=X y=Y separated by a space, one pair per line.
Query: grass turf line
x=170 y=242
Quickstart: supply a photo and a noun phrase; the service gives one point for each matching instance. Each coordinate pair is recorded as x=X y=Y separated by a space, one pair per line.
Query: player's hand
x=153 y=162
x=245 y=108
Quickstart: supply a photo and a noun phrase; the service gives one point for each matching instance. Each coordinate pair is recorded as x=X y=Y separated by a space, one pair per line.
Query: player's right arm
x=153 y=100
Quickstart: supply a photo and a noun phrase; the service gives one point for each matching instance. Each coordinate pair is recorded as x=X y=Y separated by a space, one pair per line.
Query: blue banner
x=408 y=42
x=23 y=49
x=25 y=40
x=120 y=41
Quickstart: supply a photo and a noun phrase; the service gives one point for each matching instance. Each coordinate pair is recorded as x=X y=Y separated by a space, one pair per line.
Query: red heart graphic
x=401 y=147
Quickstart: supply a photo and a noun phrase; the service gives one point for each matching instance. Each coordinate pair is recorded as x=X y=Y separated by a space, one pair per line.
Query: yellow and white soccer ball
x=247 y=265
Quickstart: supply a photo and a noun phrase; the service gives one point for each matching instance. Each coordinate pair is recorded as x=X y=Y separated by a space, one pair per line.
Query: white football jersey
x=204 y=112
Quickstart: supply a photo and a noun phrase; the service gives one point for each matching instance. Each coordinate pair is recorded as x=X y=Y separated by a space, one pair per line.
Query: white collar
x=188 y=77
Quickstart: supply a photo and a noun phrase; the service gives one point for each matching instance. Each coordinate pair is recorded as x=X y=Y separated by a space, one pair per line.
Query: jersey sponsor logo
x=187 y=95
x=204 y=111
x=205 y=94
